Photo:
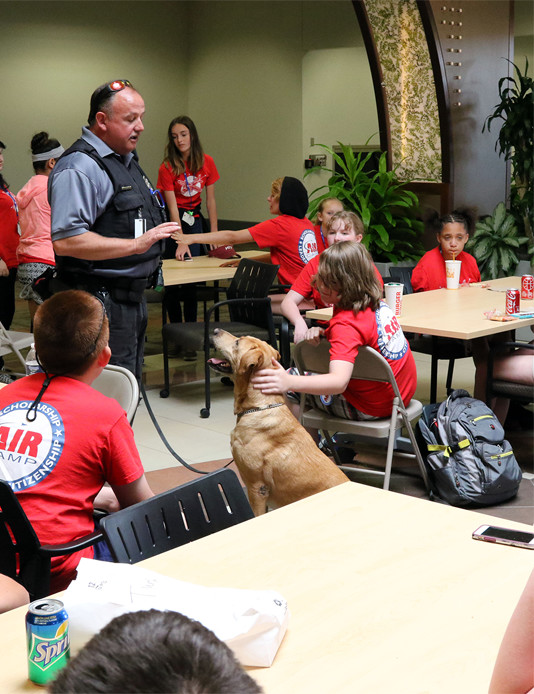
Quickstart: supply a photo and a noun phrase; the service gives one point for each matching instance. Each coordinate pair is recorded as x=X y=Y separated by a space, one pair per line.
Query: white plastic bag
x=252 y=623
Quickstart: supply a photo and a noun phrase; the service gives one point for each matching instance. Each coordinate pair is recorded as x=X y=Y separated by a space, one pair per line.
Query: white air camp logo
x=307 y=245
x=29 y=451
x=391 y=341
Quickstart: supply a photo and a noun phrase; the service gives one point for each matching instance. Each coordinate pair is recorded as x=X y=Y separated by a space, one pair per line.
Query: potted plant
x=496 y=243
x=515 y=142
x=387 y=209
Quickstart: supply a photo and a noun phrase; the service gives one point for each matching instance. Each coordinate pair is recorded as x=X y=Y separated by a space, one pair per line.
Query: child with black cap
x=290 y=236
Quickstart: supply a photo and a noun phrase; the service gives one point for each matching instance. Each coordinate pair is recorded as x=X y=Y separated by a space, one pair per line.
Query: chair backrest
x=252 y=280
x=20 y=558
x=369 y=364
x=403 y=274
x=189 y=512
x=496 y=386
x=119 y=383
x=14 y=341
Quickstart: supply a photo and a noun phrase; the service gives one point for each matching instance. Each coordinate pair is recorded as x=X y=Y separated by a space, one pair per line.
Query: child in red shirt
x=326 y=210
x=452 y=232
x=303 y=295
x=346 y=279
x=290 y=236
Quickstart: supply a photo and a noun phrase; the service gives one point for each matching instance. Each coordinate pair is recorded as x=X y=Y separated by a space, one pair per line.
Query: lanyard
x=14 y=200
x=186 y=181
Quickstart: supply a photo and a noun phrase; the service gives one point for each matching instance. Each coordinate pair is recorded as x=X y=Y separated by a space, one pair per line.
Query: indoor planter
x=496 y=243
x=515 y=142
x=388 y=211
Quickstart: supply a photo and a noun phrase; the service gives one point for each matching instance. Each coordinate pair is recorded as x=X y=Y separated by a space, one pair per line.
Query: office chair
x=497 y=387
x=22 y=556
x=250 y=314
x=371 y=366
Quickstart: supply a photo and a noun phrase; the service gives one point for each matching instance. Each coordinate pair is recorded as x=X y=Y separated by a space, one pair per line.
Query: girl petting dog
x=346 y=278
x=340 y=226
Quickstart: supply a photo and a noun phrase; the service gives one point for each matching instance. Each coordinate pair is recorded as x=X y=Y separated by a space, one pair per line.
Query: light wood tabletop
x=202 y=268
x=387 y=593
x=454 y=313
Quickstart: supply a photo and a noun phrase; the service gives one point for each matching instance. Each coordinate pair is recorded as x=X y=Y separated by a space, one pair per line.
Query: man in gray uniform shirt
x=108 y=224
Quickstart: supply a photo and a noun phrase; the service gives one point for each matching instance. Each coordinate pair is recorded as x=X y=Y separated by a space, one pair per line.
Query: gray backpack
x=468 y=460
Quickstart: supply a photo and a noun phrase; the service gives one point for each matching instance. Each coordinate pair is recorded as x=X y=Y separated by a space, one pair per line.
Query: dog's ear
x=251 y=359
x=257 y=356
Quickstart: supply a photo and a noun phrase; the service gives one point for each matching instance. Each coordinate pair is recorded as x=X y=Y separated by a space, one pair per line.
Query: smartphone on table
x=505 y=536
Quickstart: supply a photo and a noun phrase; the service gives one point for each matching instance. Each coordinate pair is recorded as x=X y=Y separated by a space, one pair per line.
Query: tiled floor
x=199 y=440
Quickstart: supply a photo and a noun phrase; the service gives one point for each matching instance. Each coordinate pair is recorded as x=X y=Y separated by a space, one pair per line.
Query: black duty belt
x=121 y=289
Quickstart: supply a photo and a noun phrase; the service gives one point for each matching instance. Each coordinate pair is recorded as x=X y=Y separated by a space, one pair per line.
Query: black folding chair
x=195 y=509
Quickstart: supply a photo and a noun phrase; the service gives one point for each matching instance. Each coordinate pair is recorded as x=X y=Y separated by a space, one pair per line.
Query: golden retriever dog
x=277 y=459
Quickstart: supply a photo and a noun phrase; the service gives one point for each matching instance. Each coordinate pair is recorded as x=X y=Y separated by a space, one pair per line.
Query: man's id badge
x=139 y=227
x=188 y=218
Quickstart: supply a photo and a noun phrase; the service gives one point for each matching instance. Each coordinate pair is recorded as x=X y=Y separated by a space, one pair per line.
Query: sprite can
x=47 y=635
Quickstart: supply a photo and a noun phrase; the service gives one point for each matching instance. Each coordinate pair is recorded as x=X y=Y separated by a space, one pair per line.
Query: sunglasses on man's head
x=103 y=94
x=117 y=86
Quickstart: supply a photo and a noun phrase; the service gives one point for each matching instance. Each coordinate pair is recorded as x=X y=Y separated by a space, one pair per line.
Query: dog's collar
x=259 y=409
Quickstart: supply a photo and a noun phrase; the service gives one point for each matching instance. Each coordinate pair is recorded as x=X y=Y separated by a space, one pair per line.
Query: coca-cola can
x=512 y=301
x=527 y=287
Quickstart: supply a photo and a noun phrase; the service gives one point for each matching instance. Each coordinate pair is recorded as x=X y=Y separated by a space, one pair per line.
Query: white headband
x=51 y=154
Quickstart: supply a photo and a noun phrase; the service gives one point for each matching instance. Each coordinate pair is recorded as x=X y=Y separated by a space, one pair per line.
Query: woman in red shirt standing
x=185 y=172
x=9 y=240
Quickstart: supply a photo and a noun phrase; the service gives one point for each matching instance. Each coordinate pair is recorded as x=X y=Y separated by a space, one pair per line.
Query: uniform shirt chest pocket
x=127 y=200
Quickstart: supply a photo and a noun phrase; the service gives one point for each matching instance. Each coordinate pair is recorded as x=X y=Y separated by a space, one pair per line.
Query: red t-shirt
x=291 y=242
x=321 y=238
x=57 y=464
x=429 y=273
x=9 y=235
x=380 y=330
x=303 y=284
x=188 y=193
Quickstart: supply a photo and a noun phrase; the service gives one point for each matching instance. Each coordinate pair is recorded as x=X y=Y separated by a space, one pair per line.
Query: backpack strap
x=451 y=450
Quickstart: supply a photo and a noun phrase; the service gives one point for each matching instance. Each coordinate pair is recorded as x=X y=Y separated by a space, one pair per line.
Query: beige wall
x=524 y=40
x=234 y=67
x=54 y=54
x=258 y=92
x=258 y=78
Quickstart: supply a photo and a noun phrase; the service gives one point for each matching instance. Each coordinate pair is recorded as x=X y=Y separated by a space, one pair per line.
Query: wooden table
x=201 y=269
x=454 y=313
x=387 y=593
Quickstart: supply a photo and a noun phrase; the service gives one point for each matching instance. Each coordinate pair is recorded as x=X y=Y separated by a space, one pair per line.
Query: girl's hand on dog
x=273 y=380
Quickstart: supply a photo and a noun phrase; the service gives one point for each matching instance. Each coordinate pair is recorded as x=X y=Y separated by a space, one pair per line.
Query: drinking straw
x=453 y=256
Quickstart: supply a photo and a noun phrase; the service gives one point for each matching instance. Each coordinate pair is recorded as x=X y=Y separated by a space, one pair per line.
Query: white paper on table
x=251 y=622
